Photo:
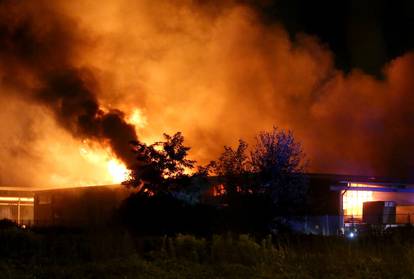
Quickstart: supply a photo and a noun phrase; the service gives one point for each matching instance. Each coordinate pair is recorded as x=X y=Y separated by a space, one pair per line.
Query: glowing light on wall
x=353 y=200
x=16 y=199
x=23 y=209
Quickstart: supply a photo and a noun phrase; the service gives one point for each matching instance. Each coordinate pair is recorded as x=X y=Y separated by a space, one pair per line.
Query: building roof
x=37 y=189
x=387 y=189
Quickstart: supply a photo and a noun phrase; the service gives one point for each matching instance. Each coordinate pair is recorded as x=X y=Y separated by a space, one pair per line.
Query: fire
x=116 y=171
x=137 y=118
x=218 y=190
x=353 y=200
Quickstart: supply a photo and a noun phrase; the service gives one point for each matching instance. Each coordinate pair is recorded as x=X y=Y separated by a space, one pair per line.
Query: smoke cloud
x=37 y=50
x=76 y=70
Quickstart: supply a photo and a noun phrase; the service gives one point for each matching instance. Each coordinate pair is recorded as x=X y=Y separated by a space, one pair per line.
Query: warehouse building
x=344 y=204
x=338 y=203
x=17 y=204
x=74 y=206
x=371 y=201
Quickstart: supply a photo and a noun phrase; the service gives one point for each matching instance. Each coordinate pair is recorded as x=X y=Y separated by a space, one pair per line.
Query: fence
x=338 y=224
x=318 y=225
x=391 y=219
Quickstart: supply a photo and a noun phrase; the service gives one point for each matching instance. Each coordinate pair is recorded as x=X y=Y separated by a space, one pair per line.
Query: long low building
x=72 y=206
x=350 y=203
x=357 y=197
x=17 y=204
x=344 y=204
x=337 y=201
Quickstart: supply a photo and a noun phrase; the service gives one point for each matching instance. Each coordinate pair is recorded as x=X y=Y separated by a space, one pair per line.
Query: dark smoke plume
x=37 y=46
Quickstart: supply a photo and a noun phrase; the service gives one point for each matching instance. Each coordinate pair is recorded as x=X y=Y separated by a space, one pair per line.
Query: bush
x=116 y=254
x=190 y=248
x=7 y=223
x=243 y=250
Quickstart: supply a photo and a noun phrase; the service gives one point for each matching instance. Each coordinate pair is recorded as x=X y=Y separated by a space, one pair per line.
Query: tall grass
x=115 y=253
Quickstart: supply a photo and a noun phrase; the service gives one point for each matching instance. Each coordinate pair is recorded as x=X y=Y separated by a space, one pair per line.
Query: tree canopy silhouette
x=275 y=166
x=160 y=165
x=279 y=162
x=260 y=183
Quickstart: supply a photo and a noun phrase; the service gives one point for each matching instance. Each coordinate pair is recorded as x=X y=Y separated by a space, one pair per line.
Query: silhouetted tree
x=232 y=162
x=259 y=184
x=233 y=166
x=279 y=162
x=161 y=165
x=247 y=210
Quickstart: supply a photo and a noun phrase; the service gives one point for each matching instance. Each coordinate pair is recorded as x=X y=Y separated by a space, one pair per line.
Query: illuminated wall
x=17 y=209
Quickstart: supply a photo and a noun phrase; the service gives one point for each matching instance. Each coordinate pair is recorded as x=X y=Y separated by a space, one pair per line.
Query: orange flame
x=353 y=200
x=137 y=118
x=117 y=172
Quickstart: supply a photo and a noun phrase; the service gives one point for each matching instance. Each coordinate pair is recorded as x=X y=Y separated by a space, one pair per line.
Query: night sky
x=362 y=34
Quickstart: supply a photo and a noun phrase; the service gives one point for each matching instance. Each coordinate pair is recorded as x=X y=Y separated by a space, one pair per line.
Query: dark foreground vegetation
x=110 y=253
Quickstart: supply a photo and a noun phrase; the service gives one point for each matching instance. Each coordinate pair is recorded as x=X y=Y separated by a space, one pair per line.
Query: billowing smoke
x=74 y=104
x=216 y=72
x=37 y=51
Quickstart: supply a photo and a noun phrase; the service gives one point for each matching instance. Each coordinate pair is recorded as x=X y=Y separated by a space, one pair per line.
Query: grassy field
x=104 y=253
